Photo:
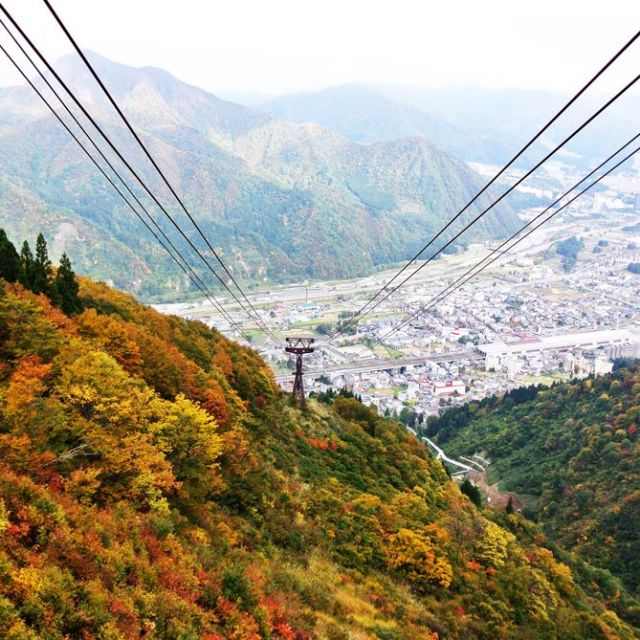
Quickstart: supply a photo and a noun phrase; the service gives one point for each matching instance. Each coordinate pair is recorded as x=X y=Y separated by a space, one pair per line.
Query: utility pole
x=299 y=346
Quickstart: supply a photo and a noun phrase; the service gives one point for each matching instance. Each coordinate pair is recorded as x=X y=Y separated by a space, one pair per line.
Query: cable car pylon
x=299 y=346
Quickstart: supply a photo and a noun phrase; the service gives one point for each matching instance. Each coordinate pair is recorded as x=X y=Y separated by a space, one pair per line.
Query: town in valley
x=562 y=304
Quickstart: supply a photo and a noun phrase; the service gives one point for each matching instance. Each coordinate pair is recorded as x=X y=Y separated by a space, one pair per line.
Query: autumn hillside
x=155 y=483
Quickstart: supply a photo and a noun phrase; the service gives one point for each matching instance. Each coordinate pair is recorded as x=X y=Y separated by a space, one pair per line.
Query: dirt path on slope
x=496 y=498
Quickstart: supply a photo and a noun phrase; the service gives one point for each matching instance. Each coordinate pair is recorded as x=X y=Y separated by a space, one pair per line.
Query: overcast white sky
x=276 y=46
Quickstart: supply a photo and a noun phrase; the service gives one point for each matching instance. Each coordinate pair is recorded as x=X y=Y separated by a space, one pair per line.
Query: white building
x=448 y=388
x=515 y=345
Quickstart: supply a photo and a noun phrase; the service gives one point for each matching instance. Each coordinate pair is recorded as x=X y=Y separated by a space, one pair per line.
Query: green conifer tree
x=472 y=492
x=42 y=272
x=10 y=265
x=509 y=507
x=66 y=287
x=26 y=260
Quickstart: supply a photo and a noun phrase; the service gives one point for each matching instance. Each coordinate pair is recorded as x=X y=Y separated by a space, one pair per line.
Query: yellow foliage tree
x=492 y=546
x=94 y=386
x=412 y=554
x=26 y=387
x=114 y=336
x=189 y=437
x=4 y=516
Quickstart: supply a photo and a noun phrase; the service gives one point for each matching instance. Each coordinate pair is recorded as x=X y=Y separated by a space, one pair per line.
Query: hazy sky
x=274 y=46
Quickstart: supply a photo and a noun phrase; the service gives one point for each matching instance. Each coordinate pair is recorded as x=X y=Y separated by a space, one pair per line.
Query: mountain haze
x=476 y=124
x=364 y=114
x=280 y=200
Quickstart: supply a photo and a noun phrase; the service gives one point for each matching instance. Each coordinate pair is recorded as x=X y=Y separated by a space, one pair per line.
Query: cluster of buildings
x=528 y=321
x=532 y=317
x=422 y=388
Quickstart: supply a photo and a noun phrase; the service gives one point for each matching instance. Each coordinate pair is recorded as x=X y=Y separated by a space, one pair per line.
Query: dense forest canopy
x=571 y=451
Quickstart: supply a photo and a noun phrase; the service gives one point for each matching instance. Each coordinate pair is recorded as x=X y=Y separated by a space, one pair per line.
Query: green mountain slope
x=572 y=453
x=281 y=200
x=155 y=483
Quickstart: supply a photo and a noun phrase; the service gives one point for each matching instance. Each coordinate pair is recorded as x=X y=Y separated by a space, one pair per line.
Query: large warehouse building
x=615 y=341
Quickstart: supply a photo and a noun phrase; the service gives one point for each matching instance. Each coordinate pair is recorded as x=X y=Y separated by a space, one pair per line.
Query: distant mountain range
x=476 y=124
x=365 y=114
x=281 y=200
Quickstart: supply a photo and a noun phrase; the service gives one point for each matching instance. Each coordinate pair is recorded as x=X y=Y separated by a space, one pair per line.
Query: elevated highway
x=364 y=366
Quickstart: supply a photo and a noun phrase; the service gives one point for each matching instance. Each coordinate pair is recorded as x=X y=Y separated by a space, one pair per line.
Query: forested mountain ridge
x=280 y=200
x=155 y=483
x=572 y=452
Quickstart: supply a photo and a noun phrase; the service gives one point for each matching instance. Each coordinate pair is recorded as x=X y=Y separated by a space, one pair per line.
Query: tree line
x=36 y=272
